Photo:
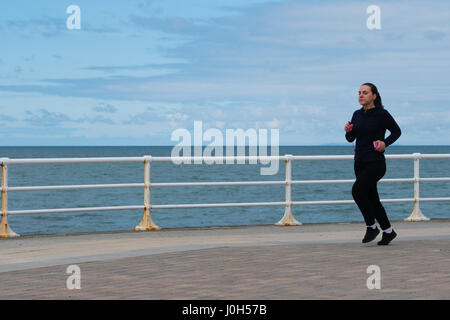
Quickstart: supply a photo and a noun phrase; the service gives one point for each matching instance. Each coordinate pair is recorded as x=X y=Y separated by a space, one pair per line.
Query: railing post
x=416 y=214
x=5 y=229
x=146 y=223
x=288 y=219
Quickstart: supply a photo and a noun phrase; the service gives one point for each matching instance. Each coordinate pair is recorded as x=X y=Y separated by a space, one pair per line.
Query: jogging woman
x=368 y=126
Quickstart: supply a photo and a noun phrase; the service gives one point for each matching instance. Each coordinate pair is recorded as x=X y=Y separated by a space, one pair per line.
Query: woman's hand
x=348 y=127
x=380 y=146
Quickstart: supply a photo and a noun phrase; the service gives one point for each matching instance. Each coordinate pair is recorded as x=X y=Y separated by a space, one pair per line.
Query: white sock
x=374 y=226
x=388 y=230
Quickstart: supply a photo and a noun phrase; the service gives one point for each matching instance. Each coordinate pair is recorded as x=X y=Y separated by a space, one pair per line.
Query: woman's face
x=365 y=96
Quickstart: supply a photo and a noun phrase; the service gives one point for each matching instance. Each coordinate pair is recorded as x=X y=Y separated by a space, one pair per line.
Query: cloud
x=262 y=52
x=96 y=119
x=103 y=29
x=46 y=27
x=434 y=35
x=145 y=4
x=49 y=27
x=30 y=58
x=177 y=25
x=107 y=108
x=6 y=118
x=45 y=118
x=110 y=69
x=151 y=115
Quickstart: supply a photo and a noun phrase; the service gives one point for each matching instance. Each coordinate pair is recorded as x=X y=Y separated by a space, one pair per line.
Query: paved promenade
x=312 y=261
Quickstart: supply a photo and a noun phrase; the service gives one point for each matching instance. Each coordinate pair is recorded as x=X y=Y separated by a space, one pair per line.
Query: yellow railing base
x=6 y=231
x=146 y=223
x=288 y=220
x=285 y=224
x=151 y=228
x=416 y=215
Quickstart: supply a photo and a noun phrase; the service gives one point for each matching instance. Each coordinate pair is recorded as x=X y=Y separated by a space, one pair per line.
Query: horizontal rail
x=224 y=159
x=217 y=205
x=295 y=158
x=250 y=183
x=347 y=181
x=254 y=204
x=434 y=179
x=72 y=160
x=223 y=183
x=85 y=186
x=434 y=156
x=141 y=207
x=299 y=203
x=435 y=199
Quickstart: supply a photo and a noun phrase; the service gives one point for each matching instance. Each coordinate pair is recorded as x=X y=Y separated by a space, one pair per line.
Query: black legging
x=365 y=192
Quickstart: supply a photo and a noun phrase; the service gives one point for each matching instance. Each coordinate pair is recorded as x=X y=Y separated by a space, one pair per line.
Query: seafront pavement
x=311 y=261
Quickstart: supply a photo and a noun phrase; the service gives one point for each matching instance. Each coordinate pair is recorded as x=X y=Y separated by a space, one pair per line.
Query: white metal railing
x=147 y=223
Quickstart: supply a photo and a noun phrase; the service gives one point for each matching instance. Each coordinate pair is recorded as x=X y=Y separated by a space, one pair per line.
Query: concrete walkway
x=312 y=261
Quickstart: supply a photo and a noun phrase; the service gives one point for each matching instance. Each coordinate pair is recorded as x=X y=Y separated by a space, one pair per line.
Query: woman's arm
x=393 y=127
x=350 y=132
x=349 y=136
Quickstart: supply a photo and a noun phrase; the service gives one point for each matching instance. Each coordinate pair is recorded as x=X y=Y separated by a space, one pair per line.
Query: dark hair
x=374 y=90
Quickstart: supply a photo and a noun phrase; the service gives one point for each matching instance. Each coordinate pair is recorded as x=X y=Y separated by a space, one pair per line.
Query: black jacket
x=368 y=126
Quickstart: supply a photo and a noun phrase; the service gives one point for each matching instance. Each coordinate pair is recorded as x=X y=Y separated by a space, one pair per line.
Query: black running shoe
x=387 y=237
x=371 y=234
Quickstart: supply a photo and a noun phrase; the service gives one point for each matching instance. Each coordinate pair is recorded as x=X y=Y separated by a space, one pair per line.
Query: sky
x=136 y=71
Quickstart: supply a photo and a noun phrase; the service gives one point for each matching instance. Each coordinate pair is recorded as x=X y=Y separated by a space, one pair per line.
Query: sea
x=122 y=220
